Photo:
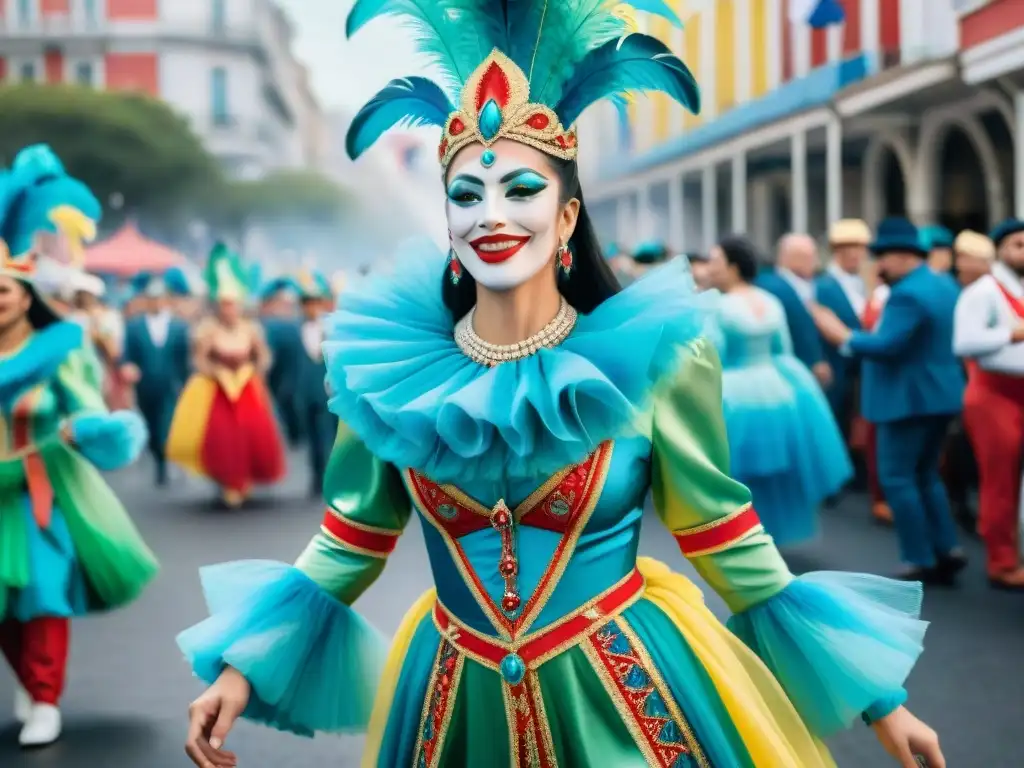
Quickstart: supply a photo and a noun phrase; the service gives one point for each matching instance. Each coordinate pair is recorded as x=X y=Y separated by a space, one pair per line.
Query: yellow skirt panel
x=188 y=427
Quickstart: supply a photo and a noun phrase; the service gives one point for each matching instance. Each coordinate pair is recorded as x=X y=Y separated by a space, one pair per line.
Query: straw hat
x=849 y=232
x=969 y=243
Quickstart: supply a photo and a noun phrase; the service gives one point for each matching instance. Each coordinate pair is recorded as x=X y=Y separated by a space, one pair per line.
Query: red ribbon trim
x=720 y=535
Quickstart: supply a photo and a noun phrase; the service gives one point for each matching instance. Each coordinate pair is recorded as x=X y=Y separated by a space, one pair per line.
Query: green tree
x=132 y=150
x=286 y=196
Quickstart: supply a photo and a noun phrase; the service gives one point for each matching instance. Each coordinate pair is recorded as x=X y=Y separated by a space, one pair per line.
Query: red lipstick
x=494 y=249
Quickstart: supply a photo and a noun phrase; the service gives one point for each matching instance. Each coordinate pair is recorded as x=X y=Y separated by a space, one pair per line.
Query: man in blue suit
x=791 y=281
x=321 y=426
x=157 y=347
x=841 y=289
x=911 y=388
x=281 y=327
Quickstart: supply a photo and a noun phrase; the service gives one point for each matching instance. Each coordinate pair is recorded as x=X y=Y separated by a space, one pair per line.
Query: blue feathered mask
x=523 y=70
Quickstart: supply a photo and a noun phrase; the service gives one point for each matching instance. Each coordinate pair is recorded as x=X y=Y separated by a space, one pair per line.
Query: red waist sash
x=513 y=658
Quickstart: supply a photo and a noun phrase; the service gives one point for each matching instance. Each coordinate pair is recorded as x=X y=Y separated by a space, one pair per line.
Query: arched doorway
x=962 y=195
x=893 y=184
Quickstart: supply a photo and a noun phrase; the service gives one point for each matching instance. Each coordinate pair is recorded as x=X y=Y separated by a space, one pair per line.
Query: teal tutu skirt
x=784 y=444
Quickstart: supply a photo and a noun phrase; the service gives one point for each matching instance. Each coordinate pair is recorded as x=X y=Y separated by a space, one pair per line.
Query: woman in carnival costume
x=524 y=405
x=223 y=426
x=784 y=443
x=67 y=546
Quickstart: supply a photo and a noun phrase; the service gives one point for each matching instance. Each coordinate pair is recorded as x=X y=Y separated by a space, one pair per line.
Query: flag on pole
x=816 y=13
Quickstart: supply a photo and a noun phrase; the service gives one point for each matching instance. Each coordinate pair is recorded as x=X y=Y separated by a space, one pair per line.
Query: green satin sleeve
x=361 y=490
x=693 y=489
x=80 y=383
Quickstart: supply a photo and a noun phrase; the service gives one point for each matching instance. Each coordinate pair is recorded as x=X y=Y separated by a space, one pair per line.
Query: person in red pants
x=989 y=334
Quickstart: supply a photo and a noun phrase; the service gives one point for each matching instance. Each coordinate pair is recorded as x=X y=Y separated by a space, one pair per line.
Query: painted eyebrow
x=467 y=178
x=521 y=172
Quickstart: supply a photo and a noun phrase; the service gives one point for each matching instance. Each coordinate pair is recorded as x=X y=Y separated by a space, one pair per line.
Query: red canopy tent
x=128 y=253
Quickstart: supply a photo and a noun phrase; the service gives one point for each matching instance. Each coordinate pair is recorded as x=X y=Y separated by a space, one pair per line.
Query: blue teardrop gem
x=490 y=120
x=487 y=158
x=513 y=669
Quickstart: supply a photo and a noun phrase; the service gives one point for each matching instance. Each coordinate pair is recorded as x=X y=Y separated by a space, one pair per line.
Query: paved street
x=128 y=689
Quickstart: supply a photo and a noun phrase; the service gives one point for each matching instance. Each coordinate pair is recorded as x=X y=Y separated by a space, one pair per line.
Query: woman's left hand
x=905 y=738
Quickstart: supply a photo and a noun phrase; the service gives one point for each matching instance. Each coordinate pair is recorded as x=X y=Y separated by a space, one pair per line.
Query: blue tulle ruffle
x=401 y=383
x=840 y=644
x=39 y=360
x=313 y=663
x=110 y=441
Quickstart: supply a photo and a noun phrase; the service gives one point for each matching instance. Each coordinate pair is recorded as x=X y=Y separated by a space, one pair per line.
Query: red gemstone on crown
x=538 y=121
x=456 y=127
x=493 y=85
x=443 y=148
x=510 y=602
x=508 y=567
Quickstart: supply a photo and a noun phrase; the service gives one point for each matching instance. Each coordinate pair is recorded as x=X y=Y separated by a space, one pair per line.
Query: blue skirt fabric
x=784 y=444
x=57 y=585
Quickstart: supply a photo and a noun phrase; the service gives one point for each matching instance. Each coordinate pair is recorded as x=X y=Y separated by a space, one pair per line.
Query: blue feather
x=634 y=63
x=407 y=101
x=456 y=35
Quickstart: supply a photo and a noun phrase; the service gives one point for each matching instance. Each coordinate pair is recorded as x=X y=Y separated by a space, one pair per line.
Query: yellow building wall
x=758 y=48
x=725 y=55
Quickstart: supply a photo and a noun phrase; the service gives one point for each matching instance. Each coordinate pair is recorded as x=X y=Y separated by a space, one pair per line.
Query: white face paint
x=503 y=213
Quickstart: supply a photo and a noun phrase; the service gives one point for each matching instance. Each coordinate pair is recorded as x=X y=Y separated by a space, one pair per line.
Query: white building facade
x=224 y=64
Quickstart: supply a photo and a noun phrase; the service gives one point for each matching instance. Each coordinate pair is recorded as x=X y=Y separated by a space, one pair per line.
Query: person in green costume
x=67 y=546
x=524 y=405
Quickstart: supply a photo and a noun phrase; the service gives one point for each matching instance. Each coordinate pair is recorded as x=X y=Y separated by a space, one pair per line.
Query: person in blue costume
x=321 y=426
x=284 y=337
x=784 y=443
x=67 y=546
x=841 y=289
x=524 y=405
x=912 y=387
x=938 y=242
x=791 y=281
x=156 y=358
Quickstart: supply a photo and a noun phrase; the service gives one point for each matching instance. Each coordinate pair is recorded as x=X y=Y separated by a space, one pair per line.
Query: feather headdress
x=225 y=275
x=518 y=69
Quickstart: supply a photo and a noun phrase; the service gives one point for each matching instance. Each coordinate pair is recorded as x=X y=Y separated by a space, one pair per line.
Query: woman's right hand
x=211 y=717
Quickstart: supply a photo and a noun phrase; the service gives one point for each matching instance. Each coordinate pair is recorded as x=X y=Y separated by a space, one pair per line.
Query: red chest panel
x=552 y=507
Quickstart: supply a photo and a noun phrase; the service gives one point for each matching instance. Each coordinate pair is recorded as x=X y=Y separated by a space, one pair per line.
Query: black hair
x=742 y=254
x=591 y=280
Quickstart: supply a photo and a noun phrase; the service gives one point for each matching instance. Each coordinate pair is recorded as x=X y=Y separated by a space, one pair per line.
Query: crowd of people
x=894 y=368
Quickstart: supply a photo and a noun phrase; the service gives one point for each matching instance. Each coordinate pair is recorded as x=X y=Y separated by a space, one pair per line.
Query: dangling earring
x=563 y=259
x=454 y=265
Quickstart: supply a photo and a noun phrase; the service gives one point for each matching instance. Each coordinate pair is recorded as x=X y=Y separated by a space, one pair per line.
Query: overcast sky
x=349 y=72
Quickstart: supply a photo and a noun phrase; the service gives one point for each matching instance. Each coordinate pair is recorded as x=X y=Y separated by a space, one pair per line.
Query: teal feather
x=456 y=35
x=633 y=64
x=564 y=33
x=407 y=101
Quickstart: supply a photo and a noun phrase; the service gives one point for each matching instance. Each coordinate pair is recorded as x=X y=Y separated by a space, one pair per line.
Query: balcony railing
x=64 y=27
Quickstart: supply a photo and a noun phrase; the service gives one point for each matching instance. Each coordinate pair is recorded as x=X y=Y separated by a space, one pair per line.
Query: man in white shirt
x=989 y=334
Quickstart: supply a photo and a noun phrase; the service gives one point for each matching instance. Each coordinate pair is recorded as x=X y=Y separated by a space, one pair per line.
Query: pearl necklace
x=485 y=353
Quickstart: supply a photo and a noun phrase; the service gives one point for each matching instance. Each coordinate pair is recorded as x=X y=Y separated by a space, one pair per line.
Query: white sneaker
x=42 y=727
x=22 y=705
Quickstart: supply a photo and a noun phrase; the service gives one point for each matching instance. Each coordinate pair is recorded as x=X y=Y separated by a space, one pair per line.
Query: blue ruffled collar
x=38 y=360
x=400 y=382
